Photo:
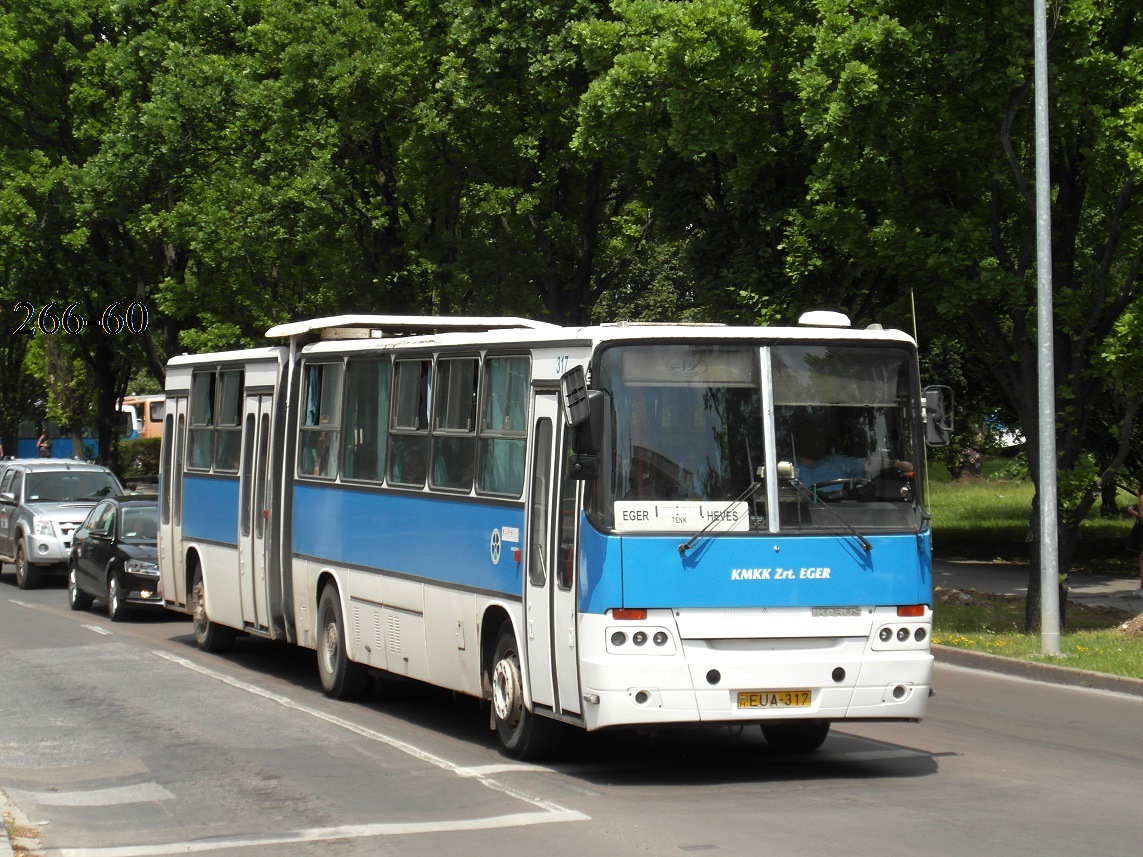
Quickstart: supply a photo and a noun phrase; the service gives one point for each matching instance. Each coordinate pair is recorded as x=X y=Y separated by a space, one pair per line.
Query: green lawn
x=986 y=520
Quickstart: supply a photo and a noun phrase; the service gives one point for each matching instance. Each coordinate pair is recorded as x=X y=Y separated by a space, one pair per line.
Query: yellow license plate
x=774 y=699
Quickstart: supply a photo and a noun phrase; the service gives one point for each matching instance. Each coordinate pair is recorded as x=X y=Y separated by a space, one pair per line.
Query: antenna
x=913 y=306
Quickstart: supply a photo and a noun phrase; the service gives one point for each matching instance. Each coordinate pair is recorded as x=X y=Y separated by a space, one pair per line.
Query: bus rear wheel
x=523 y=734
x=794 y=738
x=341 y=678
x=208 y=635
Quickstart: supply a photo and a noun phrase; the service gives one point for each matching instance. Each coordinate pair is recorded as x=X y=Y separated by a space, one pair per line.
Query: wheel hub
x=506 y=691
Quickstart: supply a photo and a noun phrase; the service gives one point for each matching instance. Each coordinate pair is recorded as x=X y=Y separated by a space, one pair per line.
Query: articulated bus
x=598 y=527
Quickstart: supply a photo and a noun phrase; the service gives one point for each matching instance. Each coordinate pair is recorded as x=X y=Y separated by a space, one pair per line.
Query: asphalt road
x=122 y=739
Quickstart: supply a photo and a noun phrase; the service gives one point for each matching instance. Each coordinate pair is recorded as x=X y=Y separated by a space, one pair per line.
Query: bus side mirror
x=937 y=406
x=583 y=414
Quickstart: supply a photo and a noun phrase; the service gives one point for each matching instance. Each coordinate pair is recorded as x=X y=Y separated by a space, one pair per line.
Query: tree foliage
x=236 y=164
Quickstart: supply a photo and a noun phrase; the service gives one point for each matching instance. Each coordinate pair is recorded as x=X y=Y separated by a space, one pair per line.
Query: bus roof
x=373 y=326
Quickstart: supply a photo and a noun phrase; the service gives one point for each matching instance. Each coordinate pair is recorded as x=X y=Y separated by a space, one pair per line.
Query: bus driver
x=817 y=465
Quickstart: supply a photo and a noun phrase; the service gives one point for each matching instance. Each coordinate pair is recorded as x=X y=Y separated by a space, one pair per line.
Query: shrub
x=140 y=457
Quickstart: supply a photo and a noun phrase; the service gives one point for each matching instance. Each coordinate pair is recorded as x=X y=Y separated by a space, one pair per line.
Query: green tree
x=921 y=119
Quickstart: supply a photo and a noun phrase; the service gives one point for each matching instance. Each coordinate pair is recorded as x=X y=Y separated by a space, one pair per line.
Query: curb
x=7 y=810
x=1038 y=672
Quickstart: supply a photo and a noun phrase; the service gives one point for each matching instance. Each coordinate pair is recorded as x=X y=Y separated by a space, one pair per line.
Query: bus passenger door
x=549 y=592
x=252 y=554
x=172 y=576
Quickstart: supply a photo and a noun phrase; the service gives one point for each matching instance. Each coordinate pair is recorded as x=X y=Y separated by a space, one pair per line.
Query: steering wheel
x=856 y=487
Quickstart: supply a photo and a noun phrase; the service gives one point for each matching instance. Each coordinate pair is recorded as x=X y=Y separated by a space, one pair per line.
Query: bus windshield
x=687 y=427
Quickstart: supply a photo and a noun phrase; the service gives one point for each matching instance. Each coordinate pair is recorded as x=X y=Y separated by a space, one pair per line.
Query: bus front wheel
x=523 y=734
x=796 y=737
x=208 y=635
x=341 y=678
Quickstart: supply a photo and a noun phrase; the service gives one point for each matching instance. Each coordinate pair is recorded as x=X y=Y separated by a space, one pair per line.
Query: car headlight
x=140 y=566
x=43 y=527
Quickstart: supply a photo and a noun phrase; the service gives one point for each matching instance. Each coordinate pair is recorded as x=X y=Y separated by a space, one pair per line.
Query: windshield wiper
x=690 y=543
x=813 y=497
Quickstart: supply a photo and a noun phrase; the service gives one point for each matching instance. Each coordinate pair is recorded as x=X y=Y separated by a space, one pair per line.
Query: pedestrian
x=1135 y=540
x=44 y=444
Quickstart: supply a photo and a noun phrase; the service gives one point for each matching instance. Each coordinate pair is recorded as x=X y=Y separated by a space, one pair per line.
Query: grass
x=1092 y=639
x=986 y=520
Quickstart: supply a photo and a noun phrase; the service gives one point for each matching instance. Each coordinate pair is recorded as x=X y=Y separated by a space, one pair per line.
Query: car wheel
x=208 y=635
x=341 y=678
x=77 y=599
x=117 y=608
x=523 y=734
x=27 y=575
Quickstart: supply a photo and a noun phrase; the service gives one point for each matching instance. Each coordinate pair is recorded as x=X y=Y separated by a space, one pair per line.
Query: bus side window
x=454 y=424
x=201 y=432
x=409 y=428
x=321 y=403
x=228 y=422
x=366 y=418
x=503 y=426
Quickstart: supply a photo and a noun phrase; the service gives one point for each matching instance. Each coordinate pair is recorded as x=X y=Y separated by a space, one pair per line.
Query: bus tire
x=523 y=734
x=796 y=737
x=208 y=636
x=341 y=678
x=27 y=575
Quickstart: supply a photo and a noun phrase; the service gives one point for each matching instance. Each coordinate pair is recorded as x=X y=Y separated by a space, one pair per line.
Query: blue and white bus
x=600 y=527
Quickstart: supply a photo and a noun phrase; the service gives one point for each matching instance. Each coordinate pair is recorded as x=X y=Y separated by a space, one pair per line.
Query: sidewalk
x=1101 y=590
x=1097 y=590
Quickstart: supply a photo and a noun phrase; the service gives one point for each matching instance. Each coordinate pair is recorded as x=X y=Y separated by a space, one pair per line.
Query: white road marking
x=506 y=768
x=141 y=793
x=98 y=630
x=323 y=834
x=551 y=812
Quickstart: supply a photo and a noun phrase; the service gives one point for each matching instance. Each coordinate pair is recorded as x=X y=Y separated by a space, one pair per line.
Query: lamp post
x=1046 y=379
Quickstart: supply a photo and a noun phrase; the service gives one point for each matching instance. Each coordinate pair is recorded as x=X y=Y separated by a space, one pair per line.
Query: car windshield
x=139 y=523
x=69 y=485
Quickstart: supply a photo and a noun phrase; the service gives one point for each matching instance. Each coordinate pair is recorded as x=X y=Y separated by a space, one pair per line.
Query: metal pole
x=1049 y=550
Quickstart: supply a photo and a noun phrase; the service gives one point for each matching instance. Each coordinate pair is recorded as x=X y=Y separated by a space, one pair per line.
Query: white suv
x=42 y=502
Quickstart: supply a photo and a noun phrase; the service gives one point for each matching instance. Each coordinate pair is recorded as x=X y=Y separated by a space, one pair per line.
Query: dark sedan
x=114 y=556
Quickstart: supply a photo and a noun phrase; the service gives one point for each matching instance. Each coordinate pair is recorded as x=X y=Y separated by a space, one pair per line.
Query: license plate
x=774 y=699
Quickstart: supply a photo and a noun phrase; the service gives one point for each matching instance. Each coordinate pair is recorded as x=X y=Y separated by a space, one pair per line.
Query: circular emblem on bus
x=494 y=547
x=686 y=367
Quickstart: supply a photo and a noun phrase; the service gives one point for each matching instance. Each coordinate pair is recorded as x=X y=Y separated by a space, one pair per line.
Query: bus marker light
x=911 y=610
x=618 y=638
x=919 y=635
x=660 y=638
x=886 y=635
x=902 y=635
x=639 y=638
x=635 y=613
